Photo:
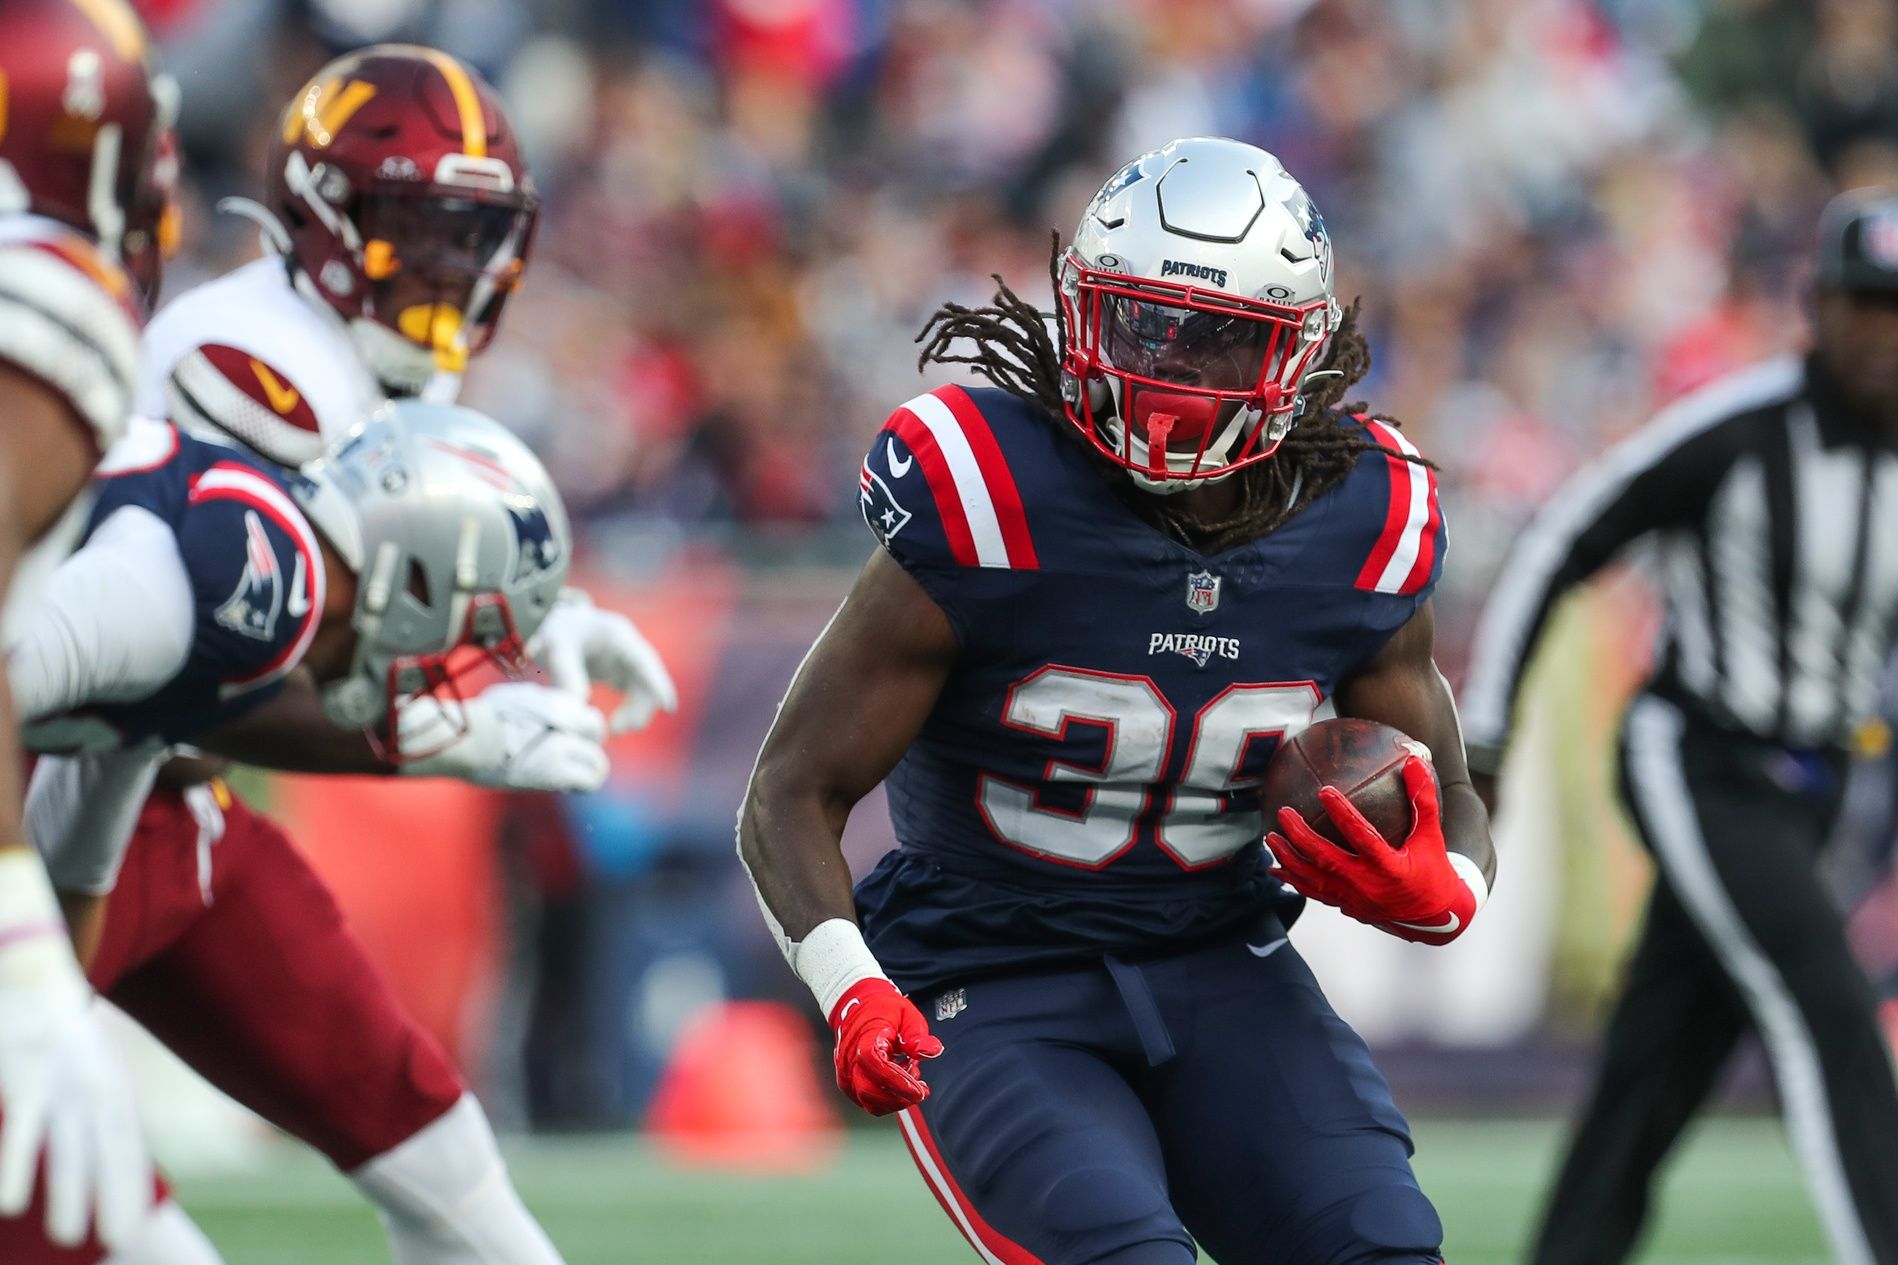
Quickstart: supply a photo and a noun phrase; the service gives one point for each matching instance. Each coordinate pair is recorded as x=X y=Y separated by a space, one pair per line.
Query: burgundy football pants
x=234 y=954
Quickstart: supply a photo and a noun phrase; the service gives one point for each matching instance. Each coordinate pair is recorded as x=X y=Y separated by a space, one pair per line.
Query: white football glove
x=515 y=736
x=63 y=1092
x=578 y=644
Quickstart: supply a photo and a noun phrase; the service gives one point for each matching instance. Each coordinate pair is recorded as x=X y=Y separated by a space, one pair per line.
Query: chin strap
x=1159 y=426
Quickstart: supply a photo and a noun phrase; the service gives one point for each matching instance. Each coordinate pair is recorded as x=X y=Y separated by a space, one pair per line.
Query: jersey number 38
x=1200 y=821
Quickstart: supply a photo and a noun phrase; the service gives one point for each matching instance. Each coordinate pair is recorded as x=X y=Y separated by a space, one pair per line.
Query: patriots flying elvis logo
x=537 y=548
x=251 y=611
x=879 y=505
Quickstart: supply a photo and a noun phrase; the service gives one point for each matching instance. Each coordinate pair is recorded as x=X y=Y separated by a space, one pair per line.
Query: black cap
x=1858 y=242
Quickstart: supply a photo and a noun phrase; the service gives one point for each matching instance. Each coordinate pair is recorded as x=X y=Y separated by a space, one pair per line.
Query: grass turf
x=1734 y=1198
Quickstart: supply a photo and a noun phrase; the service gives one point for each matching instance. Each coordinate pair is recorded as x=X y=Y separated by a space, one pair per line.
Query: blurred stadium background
x=1559 y=214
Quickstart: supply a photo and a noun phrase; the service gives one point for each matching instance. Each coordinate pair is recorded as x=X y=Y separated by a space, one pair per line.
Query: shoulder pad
x=1406 y=555
x=256 y=573
x=247 y=357
x=935 y=486
x=69 y=316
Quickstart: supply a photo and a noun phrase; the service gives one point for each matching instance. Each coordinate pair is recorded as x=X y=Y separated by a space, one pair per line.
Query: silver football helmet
x=459 y=542
x=1195 y=301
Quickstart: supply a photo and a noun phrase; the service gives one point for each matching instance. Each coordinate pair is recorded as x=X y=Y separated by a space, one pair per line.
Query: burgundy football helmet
x=81 y=121
x=399 y=185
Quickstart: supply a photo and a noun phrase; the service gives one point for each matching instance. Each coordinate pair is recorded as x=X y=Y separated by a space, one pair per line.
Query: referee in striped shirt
x=1771 y=502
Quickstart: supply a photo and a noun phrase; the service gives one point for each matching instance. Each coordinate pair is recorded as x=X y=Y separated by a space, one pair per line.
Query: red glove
x=880 y=1038
x=1413 y=891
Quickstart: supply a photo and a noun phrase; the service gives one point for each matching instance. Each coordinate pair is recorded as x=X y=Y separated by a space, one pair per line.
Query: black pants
x=1741 y=933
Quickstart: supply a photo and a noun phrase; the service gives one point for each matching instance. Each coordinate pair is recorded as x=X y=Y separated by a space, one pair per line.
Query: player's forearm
x=1466 y=828
x=292 y=734
x=790 y=837
x=85 y=916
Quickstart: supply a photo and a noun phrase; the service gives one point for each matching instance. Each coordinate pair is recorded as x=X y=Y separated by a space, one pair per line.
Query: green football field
x=1734 y=1198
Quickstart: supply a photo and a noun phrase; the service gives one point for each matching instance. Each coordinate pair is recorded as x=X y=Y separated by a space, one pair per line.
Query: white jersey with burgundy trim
x=1088 y=779
x=69 y=317
x=247 y=357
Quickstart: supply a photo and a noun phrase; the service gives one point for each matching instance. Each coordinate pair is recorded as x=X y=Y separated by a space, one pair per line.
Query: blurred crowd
x=1557 y=212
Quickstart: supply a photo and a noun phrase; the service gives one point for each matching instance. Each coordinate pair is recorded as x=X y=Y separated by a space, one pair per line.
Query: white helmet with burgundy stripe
x=1195 y=302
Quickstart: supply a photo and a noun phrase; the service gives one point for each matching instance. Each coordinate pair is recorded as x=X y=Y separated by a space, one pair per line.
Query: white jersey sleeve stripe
x=1410 y=544
x=972 y=490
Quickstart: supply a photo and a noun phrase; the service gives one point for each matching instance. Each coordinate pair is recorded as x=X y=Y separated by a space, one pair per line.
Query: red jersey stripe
x=909 y=428
x=1003 y=493
x=1395 y=517
x=1427 y=548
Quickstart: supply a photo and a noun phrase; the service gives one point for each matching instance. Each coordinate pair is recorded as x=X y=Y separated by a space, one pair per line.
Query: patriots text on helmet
x=1199 y=272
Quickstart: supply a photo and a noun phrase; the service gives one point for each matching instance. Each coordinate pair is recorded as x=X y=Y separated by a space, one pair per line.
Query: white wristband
x=832 y=959
x=1472 y=875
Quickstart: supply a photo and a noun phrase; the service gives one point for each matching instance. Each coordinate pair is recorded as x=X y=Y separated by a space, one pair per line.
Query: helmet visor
x=443 y=234
x=1219 y=351
x=440 y=268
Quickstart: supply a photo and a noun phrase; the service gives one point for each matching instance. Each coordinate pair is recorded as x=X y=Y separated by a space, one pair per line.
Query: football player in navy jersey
x=1106 y=588
x=426 y=540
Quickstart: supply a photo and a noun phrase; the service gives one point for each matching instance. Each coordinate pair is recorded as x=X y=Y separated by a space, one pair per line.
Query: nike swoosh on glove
x=579 y=644
x=1412 y=891
x=63 y=1093
x=881 y=1038
x=515 y=736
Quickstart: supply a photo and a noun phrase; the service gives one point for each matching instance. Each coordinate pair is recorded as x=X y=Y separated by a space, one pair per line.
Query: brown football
x=1362 y=758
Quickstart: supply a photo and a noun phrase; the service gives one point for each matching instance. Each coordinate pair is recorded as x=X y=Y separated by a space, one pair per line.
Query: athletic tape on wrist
x=832 y=959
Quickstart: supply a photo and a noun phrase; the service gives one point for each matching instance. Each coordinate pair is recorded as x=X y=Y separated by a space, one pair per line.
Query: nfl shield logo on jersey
x=1202 y=591
x=951 y=1004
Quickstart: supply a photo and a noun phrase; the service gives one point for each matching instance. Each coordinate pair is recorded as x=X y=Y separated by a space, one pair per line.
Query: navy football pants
x=1118 y=1113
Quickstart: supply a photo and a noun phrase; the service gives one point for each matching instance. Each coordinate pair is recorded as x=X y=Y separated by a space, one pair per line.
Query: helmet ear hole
x=418 y=586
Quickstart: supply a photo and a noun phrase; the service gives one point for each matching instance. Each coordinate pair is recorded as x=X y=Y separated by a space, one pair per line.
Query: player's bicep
x=1401 y=686
x=863 y=692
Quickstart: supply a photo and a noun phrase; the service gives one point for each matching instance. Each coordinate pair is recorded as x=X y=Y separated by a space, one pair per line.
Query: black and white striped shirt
x=1774 y=509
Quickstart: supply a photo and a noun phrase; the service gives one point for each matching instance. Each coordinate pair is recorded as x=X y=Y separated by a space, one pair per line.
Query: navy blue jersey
x=1088 y=779
x=256 y=581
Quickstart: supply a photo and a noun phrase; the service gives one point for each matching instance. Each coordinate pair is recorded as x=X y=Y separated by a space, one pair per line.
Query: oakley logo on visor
x=1200 y=272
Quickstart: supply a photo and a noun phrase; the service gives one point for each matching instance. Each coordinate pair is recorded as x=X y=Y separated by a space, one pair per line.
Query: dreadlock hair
x=1015 y=351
